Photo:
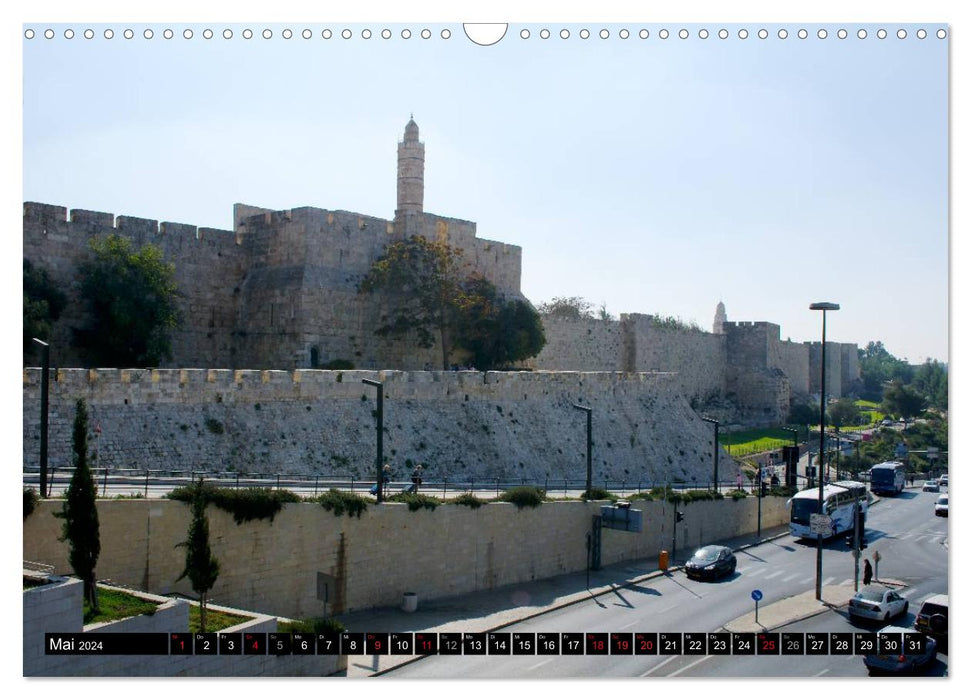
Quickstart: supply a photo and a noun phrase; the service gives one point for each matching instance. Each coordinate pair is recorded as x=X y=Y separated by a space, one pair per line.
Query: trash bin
x=662 y=560
x=409 y=602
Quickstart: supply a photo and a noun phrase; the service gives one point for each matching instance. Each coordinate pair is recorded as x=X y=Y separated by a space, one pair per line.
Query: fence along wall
x=272 y=567
x=509 y=425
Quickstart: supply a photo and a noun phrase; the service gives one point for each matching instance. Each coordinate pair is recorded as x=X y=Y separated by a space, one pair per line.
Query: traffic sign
x=820 y=524
x=756 y=595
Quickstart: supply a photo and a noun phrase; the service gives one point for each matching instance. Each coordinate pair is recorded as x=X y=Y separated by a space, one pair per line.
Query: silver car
x=877 y=603
x=903 y=662
x=931 y=486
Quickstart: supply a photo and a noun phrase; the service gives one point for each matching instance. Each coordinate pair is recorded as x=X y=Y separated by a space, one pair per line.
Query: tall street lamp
x=792 y=463
x=380 y=435
x=823 y=306
x=589 y=412
x=44 y=399
x=716 y=424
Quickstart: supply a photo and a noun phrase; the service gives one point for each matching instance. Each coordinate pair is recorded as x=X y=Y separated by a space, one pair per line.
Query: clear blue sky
x=650 y=175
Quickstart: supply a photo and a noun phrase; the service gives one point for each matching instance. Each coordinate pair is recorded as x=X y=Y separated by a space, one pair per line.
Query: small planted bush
x=596 y=494
x=243 y=504
x=313 y=625
x=340 y=502
x=738 y=494
x=524 y=496
x=31 y=498
x=641 y=496
x=468 y=499
x=415 y=501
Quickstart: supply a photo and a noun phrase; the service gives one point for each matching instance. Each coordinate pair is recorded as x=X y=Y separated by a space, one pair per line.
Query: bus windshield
x=802 y=508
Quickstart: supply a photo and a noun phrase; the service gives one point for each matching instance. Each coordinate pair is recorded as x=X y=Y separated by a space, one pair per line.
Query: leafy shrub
x=214 y=426
x=596 y=494
x=782 y=491
x=415 y=501
x=340 y=501
x=31 y=498
x=468 y=499
x=313 y=625
x=524 y=496
x=640 y=496
x=738 y=494
x=243 y=504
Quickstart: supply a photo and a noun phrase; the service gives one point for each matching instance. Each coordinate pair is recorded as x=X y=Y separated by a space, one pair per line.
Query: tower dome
x=411 y=130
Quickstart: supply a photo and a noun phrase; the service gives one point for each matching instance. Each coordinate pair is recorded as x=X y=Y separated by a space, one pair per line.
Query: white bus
x=888 y=478
x=840 y=499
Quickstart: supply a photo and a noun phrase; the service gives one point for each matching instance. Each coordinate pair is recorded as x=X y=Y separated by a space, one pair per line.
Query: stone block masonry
x=460 y=425
x=272 y=567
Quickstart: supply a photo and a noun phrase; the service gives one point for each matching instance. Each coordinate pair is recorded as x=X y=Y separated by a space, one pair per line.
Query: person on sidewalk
x=867 y=572
x=416 y=479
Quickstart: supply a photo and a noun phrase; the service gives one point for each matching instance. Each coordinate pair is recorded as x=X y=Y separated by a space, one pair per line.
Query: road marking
x=829 y=580
x=541 y=663
x=685 y=668
x=773 y=575
x=846 y=582
x=630 y=624
x=807 y=580
x=825 y=670
x=906 y=593
x=652 y=670
x=789 y=577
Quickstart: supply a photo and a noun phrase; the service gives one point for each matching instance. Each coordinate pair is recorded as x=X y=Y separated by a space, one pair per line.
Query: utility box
x=621 y=516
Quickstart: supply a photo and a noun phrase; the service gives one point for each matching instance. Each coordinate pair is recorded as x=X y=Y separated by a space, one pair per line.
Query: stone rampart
x=272 y=567
x=507 y=425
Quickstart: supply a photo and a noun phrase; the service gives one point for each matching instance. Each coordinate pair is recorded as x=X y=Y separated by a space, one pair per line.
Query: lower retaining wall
x=274 y=567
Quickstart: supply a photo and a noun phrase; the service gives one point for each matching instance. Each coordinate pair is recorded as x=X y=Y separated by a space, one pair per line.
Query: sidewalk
x=489 y=610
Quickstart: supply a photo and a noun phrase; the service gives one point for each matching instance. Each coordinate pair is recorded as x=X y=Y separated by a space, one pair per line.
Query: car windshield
x=873 y=594
x=707 y=554
x=932 y=609
x=942 y=501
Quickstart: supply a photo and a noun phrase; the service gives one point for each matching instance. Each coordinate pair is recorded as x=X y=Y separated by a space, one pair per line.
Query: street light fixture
x=380 y=436
x=716 y=424
x=44 y=402
x=589 y=412
x=823 y=306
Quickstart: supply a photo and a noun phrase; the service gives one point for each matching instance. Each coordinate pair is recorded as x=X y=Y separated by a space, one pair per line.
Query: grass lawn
x=116 y=605
x=215 y=620
x=746 y=442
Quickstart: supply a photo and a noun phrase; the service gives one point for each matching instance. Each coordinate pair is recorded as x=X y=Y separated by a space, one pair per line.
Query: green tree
x=43 y=304
x=899 y=400
x=844 y=412
x=80 y=512
x=201 y=566
x=573 y=308
x=930 y=379
x=131 y=299
x=803 y=414
x=878 y=367
x=422 y=282
x=494 y=331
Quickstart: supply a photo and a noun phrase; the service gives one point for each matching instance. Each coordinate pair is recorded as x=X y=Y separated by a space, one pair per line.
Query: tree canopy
x=131 y=299
x=201 y=566
x=428 y=290
x=877 y=367
x=844 y=412
x=930 y=380
x=903 y=401
x=573 y=308
x=43 y=304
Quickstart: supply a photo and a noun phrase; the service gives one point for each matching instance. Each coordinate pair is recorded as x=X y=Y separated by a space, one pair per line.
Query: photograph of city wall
x=263 y=305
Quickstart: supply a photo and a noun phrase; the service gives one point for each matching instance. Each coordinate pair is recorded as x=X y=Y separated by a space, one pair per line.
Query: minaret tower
x=411 y=183
x=720 y=319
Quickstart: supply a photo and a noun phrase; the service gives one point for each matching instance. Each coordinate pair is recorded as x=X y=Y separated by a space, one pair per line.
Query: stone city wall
x=460 y=425
x=273 y=567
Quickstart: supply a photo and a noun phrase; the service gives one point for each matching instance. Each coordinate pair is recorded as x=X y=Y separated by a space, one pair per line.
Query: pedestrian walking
x=416 y=479
x=867 y=572
x=385 y=478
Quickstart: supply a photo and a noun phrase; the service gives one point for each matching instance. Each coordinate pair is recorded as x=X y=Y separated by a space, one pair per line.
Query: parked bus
x=840 y=499
x=888 y=478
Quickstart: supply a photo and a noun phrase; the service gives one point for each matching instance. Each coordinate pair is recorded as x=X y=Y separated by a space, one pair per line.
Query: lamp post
x=716 y=424
x=793 y=461
x=380 y=435
x=823 y=306
x=44 y=400
x=589 y=412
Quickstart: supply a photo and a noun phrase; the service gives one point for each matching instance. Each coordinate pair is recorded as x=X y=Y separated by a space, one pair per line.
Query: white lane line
x=652 y=670
x=846 y=582
x=908 y=592
x=630 y=624
x=829 y=580
x=789 y=577
x=541 y=663
x=773 y=575
x=807 y=580
x=825 y=670
x=685 y=668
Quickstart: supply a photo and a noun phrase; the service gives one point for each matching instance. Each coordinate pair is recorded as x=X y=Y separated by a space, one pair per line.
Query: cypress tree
x=201 y=566
x=80 y=513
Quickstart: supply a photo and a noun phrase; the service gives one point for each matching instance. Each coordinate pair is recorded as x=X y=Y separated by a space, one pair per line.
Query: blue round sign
x=756 y=595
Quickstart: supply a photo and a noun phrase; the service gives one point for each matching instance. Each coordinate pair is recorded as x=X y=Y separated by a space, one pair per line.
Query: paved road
x=912 y=543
